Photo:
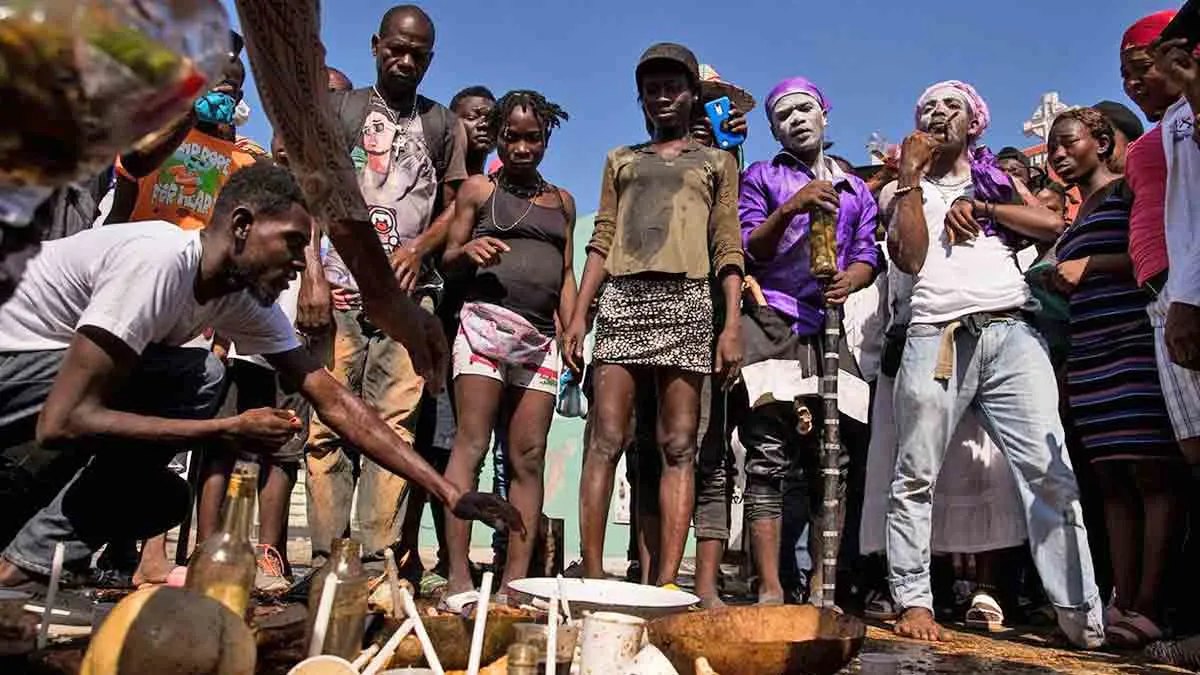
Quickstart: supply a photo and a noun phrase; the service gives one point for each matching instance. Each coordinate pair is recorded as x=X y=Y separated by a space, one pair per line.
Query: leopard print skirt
x=659 y=322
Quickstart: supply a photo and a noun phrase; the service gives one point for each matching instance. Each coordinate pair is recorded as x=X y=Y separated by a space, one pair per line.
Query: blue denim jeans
x=1005 y=373
x=117 y=490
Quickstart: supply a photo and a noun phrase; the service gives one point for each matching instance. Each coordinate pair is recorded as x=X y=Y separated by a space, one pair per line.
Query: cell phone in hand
x=1186 y=25
x=719 y=111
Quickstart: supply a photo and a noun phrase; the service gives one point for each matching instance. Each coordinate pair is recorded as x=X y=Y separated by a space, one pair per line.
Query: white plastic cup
x=651 y=661
x=610 y=642
x=325 y=664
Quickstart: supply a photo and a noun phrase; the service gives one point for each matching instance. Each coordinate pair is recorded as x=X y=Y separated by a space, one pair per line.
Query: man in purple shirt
x=777 y=199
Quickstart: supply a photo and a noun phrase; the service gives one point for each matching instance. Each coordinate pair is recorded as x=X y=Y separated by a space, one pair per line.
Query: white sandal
x=985 y=613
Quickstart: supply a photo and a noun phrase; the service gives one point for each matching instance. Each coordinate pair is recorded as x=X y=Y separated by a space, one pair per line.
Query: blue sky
x=872 y=58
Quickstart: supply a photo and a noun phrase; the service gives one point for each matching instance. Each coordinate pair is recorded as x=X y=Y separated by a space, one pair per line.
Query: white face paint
x=946 y=113
x=799 y=123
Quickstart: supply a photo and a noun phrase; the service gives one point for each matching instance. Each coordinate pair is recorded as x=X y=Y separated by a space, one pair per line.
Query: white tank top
x=976 y=276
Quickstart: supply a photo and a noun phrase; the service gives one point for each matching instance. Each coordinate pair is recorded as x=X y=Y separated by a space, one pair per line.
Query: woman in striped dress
x=1112 y=379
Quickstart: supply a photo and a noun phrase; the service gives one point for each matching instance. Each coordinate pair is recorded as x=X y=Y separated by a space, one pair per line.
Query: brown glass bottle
x=822 y=237
x=347 y=621
x=223 y=568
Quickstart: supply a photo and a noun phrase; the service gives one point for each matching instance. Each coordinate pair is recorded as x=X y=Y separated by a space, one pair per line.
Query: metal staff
x=823 y=242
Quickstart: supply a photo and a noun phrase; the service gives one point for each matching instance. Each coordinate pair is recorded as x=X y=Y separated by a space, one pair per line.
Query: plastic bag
x=83 y=81
x=571 y=402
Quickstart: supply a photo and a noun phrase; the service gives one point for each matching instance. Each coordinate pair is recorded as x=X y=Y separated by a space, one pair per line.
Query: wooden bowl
x=788 y=640
x=451 y=638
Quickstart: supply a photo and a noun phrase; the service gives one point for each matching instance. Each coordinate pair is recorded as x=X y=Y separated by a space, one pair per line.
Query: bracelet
x=900 y=192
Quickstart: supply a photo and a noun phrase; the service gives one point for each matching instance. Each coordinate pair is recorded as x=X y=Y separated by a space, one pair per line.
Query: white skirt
x=976 y=506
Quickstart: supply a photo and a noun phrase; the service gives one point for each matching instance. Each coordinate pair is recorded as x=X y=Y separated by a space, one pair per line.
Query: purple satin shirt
x=786 y=280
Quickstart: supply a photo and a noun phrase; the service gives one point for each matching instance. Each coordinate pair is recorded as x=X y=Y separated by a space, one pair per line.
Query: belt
x=1156 y=284
x=973 y=324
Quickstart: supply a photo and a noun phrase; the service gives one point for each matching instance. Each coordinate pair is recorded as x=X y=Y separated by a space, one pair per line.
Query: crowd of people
x=1019 y=346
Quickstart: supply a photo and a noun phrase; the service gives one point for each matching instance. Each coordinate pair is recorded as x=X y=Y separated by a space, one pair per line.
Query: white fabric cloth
x=975 y=276
x=782 y=381
x=975 y=504
x=134 y=281
x=864 y=319
x=1182 y=207
x=976 y=507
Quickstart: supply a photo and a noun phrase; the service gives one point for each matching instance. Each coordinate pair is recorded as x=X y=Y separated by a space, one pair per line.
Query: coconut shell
x=171 y=631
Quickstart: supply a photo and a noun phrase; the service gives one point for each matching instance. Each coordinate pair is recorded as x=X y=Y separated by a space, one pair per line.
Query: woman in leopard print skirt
x=666 y=226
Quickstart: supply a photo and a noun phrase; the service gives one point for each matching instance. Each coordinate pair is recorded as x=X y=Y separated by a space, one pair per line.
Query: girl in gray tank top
x=511 y=242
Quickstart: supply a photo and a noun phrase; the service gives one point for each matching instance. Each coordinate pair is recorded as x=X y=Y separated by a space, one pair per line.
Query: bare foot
x=454 y=586
x=918 y=623
x=770 y=599
x=151 y=572
x=711 y=601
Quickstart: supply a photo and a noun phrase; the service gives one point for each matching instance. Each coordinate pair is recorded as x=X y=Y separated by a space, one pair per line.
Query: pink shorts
x=541 y=376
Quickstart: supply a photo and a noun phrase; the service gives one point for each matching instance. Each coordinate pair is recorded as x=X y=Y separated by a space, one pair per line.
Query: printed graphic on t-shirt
x=1182 y=129
x=398 y=182
x=184 y=189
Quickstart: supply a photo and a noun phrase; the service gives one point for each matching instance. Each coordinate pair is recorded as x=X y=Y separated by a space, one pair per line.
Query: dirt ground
x=1016 y=652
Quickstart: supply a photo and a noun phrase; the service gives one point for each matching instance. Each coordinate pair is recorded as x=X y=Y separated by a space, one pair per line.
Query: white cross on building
x=1039 y=124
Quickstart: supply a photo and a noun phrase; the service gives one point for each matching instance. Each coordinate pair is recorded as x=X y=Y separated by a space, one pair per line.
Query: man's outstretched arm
x=284 y=45
x=362 y=427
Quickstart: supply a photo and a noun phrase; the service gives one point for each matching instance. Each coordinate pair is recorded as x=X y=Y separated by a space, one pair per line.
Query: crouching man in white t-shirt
x=954 y=224
x=97 y=314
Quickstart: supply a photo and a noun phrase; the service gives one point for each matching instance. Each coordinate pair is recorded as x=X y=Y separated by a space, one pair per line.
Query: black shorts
x=251 y=386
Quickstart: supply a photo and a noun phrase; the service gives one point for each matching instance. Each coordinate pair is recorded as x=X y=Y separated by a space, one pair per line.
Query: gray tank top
x=528 y=279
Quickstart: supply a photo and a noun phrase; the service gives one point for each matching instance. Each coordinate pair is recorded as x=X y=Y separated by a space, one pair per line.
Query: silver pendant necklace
x=412 y=115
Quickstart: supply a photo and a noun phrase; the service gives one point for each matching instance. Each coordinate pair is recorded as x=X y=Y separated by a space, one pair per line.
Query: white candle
x=481 y=612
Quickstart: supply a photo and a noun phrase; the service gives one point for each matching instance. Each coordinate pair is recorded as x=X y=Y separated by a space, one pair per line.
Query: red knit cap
x=1145 y=31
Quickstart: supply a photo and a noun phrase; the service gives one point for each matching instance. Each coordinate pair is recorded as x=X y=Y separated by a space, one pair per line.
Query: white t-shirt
x=975 y=276
x=1182 y=205
x=135 y=281
x=289 y=302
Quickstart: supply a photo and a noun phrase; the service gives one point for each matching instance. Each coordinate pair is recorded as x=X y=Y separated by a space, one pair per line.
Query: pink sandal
x=1132 y=631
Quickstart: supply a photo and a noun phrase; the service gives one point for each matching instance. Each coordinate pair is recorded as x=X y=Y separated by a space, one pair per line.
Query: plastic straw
x=389 y=647
x=562 y=596
x=552 y=636
x=393 y=577
x=431 y=656
x=324 y=611
x=364 y=657
x=56 y=566
x=481 y=612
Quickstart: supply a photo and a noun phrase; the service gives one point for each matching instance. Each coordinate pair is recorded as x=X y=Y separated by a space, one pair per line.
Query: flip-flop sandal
x=1112 y=614
x=1133 y=631
x=985 y=614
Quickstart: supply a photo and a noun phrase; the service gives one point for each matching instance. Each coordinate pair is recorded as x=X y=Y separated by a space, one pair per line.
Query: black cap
x=1121 y=118
x=673 y=53
x=1013 y=153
